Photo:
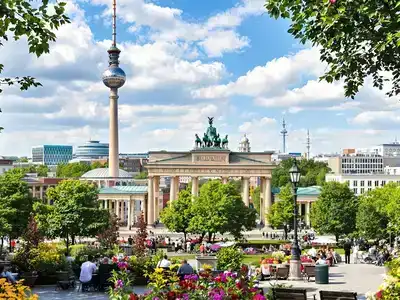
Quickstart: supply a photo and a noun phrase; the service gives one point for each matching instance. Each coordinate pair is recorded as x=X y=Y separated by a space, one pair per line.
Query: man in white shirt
x=87 y=270
x=164 y=263
x=312 y=252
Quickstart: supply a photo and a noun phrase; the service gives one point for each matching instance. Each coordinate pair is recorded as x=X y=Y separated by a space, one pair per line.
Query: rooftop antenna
x=308 y=143
x=114 y=24
x=284 y=135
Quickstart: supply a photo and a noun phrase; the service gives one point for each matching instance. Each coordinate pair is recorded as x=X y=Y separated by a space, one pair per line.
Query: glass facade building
x=92 y=150
x=51 y=155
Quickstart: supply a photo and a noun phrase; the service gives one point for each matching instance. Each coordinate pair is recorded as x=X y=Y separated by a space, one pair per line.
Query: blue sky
x=186 y=60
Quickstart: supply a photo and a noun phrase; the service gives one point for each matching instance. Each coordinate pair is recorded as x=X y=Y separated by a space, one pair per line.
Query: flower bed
x=390 y=288
x=166 y=285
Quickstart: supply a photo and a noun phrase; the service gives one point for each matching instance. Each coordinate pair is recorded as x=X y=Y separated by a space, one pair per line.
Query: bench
x=282 y=273
x=309 y=271
x=328 y=295
x=289 y=294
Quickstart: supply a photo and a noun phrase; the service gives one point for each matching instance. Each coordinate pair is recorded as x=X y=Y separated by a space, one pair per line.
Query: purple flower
x=119 y=284
x=259 y=297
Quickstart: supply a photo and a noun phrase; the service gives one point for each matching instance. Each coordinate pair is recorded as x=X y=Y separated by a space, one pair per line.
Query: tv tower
x=284 y=135
x=114 y=78
x=308 y=143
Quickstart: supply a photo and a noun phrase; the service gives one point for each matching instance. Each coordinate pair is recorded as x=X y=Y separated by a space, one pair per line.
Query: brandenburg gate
x=210 y=158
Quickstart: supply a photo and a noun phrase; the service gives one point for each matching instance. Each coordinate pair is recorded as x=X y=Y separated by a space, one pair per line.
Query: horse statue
x=198 y=141
x=225 y=142
x=206 y=140
x=217 y=141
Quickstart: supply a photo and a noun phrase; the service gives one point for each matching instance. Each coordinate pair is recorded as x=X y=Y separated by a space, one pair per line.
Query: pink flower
x=332 y=1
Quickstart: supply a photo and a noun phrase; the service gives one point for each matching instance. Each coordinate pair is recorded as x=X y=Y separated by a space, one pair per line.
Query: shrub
x=45 y=258
x=229 y=258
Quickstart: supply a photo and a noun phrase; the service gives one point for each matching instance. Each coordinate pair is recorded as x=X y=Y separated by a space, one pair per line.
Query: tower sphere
x=114 y=77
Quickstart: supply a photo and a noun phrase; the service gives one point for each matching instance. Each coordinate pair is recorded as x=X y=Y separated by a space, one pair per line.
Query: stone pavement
x=359 y=278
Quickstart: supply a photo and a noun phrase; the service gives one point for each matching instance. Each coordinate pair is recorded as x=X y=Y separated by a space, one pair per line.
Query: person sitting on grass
x=6 y=275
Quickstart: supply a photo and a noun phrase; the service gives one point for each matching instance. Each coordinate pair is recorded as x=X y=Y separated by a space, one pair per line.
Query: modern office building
x=361 y=183
x=356 y=164
x=133 y=162
x=51 y=155
x=91 y=150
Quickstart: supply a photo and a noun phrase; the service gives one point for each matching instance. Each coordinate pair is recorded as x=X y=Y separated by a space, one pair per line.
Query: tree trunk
x=9 y=244
x=209 y=237
x=285 y=232
x=2 y=245
x=214 y=238
x=184 y=236
x=337 y=238
x=67 y=243
x=72 y=239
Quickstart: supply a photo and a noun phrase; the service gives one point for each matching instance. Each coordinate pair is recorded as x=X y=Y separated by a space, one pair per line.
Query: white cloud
x=273 y=77
x=313 y=92
x=220 y=42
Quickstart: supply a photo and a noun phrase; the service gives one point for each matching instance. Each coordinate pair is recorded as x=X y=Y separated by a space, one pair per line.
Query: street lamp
x=295 y=273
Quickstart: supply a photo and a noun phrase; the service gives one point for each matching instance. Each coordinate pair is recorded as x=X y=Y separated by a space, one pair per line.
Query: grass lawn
x=262 y=242
x=252 y=259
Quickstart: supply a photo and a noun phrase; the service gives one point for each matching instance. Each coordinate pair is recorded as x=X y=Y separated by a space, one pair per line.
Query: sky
x=185 y=61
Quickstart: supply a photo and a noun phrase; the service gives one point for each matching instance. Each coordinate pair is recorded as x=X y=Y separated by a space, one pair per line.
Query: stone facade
x=198 y=163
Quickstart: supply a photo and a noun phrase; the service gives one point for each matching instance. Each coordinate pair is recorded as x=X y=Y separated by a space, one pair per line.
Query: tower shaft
x=308 y=144
x=113 y=157
x=284 y=135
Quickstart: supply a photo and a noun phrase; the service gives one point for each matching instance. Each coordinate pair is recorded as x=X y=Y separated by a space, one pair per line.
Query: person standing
x=347 y=250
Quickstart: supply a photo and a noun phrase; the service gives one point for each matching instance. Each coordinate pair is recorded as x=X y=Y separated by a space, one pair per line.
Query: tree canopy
x=377 y=209
x=178 y=214
x=22 y=18
x=357 y=39
x=75 y=211
x=15 y=203
x=219 y=208
x=76 y=170
x=312 y=172
x=281 y=213
x=335 y=210
x=141 y=175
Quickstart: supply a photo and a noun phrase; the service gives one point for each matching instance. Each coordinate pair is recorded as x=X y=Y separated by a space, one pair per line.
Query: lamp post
x=295 y=262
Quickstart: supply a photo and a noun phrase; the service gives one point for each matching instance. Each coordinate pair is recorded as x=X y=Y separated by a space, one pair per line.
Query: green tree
x=15 y=204
x=141 y=175
x=42 y=170
x=357 y=39
x=72 y=170
x=372 y=218
x=281 y=213
x=219 y=208
x=176 y=216
x=335 y=210
x=22 y=18
x=22 y=159
x=313 y=172
x=75 y=212
x=255 y=197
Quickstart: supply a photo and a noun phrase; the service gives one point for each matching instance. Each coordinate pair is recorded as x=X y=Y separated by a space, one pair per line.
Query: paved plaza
x=359 y=278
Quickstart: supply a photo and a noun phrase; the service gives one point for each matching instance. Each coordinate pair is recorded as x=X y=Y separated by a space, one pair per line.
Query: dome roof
x=244 y=139
x=104 y=173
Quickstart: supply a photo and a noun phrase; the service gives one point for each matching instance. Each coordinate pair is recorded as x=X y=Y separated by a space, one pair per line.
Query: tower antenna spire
x=308 y=143
x=114 y=24
x=113 y=78
x=284 y=134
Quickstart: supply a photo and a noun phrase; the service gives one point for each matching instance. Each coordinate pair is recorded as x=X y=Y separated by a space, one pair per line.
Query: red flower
x=133 y=297
x=379 y=294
